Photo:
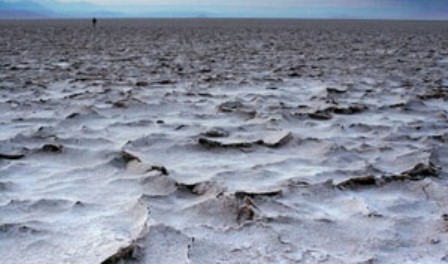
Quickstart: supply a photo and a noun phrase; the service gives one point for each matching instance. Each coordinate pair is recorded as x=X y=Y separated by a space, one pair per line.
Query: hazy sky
x=401 y=9
x=281 y=3
x=405 y=8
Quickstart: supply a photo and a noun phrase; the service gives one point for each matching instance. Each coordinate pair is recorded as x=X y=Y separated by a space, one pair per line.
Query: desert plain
x=223 y=141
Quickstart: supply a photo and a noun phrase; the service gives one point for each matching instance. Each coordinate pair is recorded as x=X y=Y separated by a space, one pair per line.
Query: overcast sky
x=400 y=9
x=281 y=3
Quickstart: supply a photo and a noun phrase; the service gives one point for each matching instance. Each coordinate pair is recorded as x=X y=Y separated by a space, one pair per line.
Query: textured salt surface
x=207 y=141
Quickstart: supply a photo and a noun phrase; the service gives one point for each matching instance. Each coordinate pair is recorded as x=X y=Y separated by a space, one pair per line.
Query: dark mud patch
x=271 y=140
x=11 y=156
x=418 y=172
x=129 y=254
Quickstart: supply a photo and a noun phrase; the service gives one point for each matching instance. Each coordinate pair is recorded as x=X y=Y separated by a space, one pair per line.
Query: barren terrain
x=223 y=141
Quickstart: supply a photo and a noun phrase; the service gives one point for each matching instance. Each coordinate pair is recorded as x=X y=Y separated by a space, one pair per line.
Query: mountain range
x=51 y=9
x=402 y=9
x=34 y=9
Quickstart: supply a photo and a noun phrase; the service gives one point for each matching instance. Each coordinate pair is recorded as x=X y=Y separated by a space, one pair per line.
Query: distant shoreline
x=225 y=18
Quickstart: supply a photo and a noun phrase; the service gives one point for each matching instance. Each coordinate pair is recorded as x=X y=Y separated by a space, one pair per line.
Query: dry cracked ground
x=223 y=141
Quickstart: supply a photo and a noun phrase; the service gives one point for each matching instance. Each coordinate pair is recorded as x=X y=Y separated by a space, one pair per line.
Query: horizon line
x=223 y=17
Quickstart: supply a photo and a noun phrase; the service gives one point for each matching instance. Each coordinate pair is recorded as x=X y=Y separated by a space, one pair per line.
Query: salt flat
x=223 y=141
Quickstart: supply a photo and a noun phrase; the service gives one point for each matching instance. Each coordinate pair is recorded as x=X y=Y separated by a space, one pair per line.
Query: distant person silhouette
x=94 y=22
